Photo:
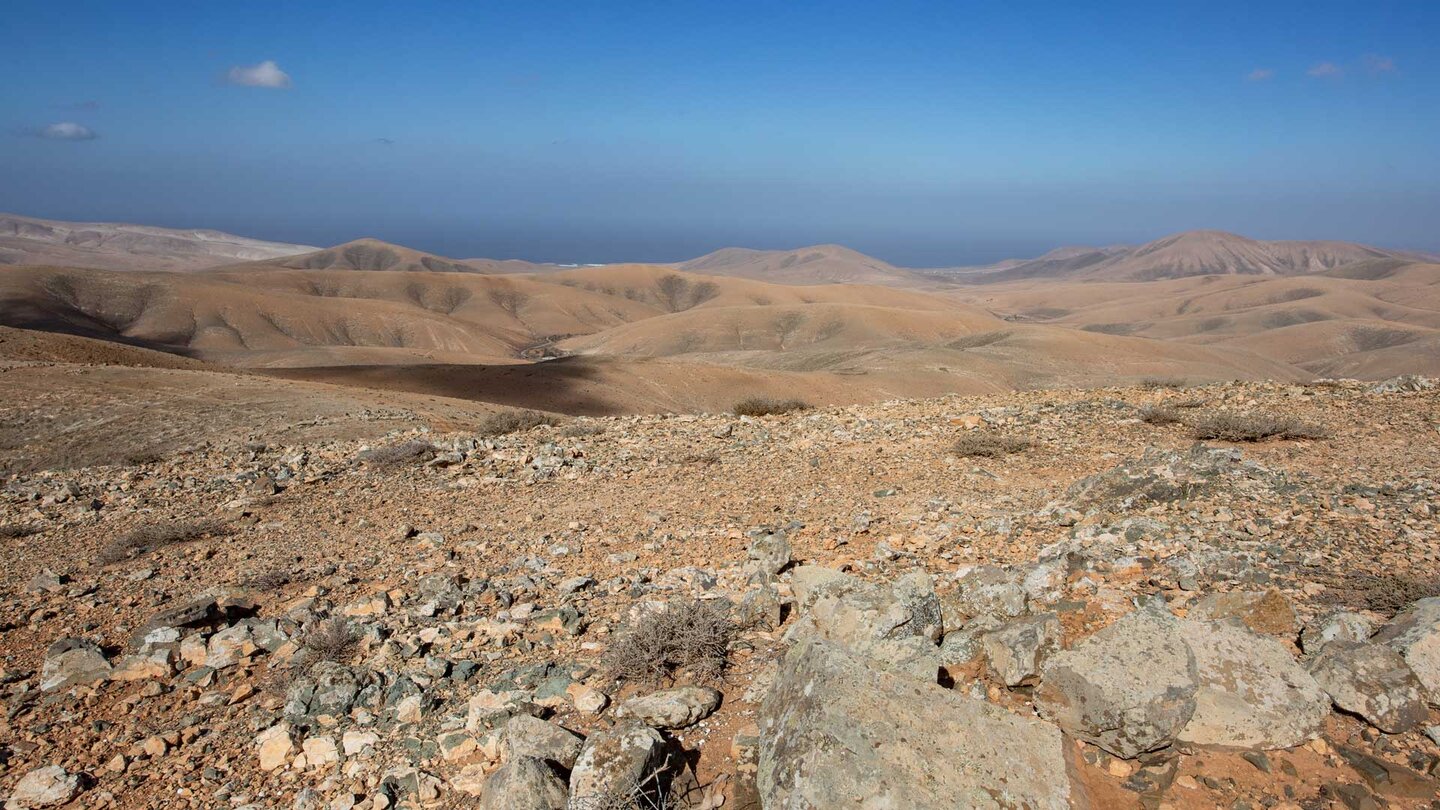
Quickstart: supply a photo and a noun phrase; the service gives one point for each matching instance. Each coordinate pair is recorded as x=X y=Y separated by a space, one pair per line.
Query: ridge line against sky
x=926 y=134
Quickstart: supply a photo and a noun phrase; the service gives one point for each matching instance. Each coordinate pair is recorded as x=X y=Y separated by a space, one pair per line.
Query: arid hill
x=818 y=264
x=1192 y=253
x=114 y=246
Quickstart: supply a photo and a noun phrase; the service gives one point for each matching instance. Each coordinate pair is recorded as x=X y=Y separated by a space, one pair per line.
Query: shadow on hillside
x=570 y=385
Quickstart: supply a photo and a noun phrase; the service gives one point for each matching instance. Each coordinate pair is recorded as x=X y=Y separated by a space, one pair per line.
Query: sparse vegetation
x=580 y=430
x=768 y=406
x=328 y=640
x=1231 y=426
x=499 y=424
x=1159 y=415
x=149 y=455
x=410 y=451
x=984 y=444
x=1162 y=383
x=1385 y=593
x=146 y=539
x=690 y=635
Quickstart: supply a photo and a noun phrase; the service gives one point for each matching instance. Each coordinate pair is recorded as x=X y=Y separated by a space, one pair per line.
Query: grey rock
x=836 y=732
x=615 y=764
x=985 y=590
x=895 y=627
x=769 y=553
x=1415 y=634
x=523 y=783
x=1129 y=688
x=526 y=736
x=759 y=608
x=44 y=787
x=73 y=662
x=1373 y=681
x=676 y=708
x=1016 y=649
x=1338 y=625
x=810 y=582
x=1252 y=693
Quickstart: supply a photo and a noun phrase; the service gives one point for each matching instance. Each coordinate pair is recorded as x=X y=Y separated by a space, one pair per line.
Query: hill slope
x=115 y=246
x=820 y=264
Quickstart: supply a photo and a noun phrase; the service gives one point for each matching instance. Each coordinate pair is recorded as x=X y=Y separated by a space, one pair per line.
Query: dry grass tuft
x=146 y=539
x=1160 y=383
x=768 y=406
x=499 y=424
x=690 y=635
x=1159 y=415
x=411 y=451
x=983 y=444
x=1229 y=426
x=1385 y=593
x=329 y=640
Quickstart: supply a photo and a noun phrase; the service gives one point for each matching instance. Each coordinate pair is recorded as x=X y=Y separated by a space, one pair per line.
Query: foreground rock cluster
x=1115 y=617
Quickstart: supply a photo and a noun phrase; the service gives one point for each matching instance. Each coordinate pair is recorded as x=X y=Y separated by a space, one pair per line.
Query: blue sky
x=925 y=133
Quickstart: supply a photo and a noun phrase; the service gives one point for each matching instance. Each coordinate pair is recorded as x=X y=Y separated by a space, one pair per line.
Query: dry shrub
x=650 y=793
x=1385 y=593
x=1159 y=415
x=329 y=640
x=148 y=455
x=580 y=430
x=499 y=424
x=689 y=634
x=1229 y=426
x=409 y=451
x=767 y=406
x=983 y=444
x=146 y=539
x=1159 y=383
x=15 y=531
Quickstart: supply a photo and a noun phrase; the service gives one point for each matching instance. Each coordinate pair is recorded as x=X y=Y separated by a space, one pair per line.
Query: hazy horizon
x=924 y=134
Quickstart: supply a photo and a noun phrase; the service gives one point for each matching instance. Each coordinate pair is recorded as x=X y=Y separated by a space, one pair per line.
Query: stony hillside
x=116 y=246
x=1108 y=598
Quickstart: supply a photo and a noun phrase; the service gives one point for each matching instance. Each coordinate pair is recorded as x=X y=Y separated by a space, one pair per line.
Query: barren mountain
x=820 y=264
x=112 y=246
x=373 y=255
x=1192 y=253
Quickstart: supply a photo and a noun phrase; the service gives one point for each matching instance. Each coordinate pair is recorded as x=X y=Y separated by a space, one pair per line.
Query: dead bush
x=1159 y=415
x=1385 y=593
x=690 y=635
x=768 y=406
x=148 y=455
x=984 y=444
x=146 y=539
x=580 y=430
x=1230 y=426
x=15 y=531
x=329 y=640
x=1161 y=383
x=410 y=451
x=499 y=424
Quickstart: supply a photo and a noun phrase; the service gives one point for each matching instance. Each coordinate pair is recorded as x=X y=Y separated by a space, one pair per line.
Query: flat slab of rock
x=1373 y=681
x=1129 y=688
x=681 y=707
x=1267 y=612
x=1017 y=648
x=838 y=733
x=1415 y=634
x=44 y=787
x=1252 y=693
x=614 y=764
x=526 y=736
x=73 y=662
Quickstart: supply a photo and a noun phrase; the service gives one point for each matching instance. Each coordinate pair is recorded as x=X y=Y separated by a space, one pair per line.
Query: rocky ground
x=1111 y=615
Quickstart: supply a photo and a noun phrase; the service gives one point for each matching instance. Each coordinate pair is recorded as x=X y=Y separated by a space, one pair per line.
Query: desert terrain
x=364 y=527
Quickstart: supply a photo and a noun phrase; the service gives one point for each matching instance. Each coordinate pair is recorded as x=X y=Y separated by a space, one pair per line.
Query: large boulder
x=769 y=554
x=44 y=787
x=1415 y=634
x=615 y=765
x=73 y=662
x=1017 y=648
x=1252 y=693
x=530 y=737
x=1337 y=625
x=835 y=732
x=985 y=591
x=523 y=783
x=681 y=707
x=1373 y=681
x=1267 y=612
x=1129 y=688
x=896 y=627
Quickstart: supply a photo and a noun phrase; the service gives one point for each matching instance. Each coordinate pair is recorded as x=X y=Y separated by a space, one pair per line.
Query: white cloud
x=67 y=131
x=1325 y=70
x=265 y=74
x=1379 y=64
x=1260 y=75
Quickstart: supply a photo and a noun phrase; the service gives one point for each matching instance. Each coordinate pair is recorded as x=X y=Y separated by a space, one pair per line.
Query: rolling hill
x=114 y=246
x=820 y=264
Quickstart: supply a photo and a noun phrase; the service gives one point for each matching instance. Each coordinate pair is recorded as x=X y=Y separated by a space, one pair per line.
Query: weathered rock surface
x=1267 y=612
x=1373 y=681
x=836 y=732
x=44 y=787
x=530 y=737
x=676 y=708
x=523 y=783
x=615 y=764
x=1336 y=625
x=1252 y=693
x=1129 y=688
x=1016 y=649
x=73 y=662
x=1415 y=634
